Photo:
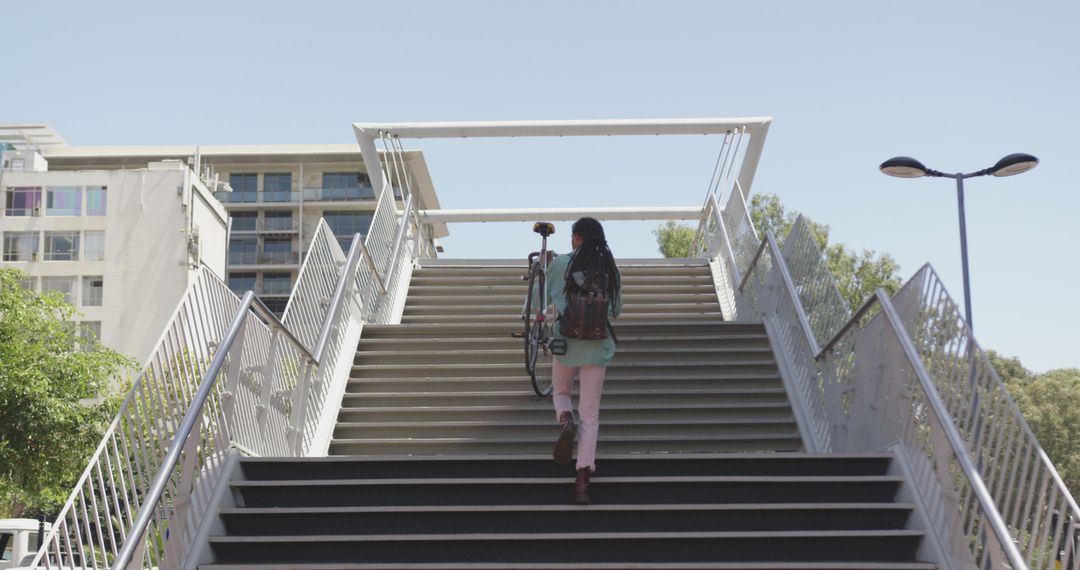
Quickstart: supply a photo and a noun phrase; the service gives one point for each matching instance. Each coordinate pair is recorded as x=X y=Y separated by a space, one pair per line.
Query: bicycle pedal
x=558 y=347
x=517 y=335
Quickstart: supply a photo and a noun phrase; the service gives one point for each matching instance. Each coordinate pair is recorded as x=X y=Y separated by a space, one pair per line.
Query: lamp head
x=904 y=167
x=1015 y=163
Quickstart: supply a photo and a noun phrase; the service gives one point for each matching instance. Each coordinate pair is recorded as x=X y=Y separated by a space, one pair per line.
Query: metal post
x=963 y=250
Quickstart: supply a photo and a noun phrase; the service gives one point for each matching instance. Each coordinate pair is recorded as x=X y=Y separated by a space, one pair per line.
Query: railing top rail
x=561 y=214
x=564 y=128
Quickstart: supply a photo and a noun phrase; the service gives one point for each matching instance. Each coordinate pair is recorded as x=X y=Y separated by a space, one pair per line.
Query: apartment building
x=275 y=196
x=121 y=244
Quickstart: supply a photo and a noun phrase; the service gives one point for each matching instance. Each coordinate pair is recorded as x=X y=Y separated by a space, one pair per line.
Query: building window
x=96 y=201
x=345 y=224
x=278 y=221
x=276 y=305
x=278 y=250
x=65 y=285
x=346 y=186
x=22 y=202
x=277 y=187
x=29 y=283
x=94 y=245
x=92 y=291
x=244 y=221
x=21 y=246
x=245 y=187
x=63 y=201
x=242 y=250
x=276 y=283
x=61 y=246
x=241 y=283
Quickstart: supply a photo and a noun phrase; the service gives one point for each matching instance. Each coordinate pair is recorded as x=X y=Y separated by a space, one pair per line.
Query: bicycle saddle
x=544 y=228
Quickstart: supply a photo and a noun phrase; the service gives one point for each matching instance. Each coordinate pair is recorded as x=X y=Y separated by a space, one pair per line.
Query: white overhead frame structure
x=756 y=127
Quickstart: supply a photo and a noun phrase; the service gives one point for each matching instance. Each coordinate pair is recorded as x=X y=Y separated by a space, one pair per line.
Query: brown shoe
x=581 y=487
x=564 y=447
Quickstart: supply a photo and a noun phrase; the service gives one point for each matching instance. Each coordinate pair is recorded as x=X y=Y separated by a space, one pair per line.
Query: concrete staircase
x=761 y=511
x=451 y=380
x=441 y=455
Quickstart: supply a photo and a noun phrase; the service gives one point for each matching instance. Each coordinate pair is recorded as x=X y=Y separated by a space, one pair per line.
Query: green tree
x=54 y=397
x=674 y=239
x=857 y=273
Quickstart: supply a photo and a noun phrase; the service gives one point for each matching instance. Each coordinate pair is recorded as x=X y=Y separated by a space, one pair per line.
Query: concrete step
x=480 y=354
x=625 y=327
x=572 y=547
x=541 y=407
x=627 y=342
x=614 y=396
x=658 y=368
x=518 y=298
x=547 y=430
x=518 y=466
x=433 y=491
x=772 y=441
x=578 y=565
x=310 y=521
x=513 y=383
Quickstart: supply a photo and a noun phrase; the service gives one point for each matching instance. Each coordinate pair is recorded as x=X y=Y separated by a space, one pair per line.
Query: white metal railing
x=907 y=377
x=220 y=382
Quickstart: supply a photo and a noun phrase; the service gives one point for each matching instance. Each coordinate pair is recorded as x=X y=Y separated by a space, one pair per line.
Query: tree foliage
x=1050 y=402
x=858 y=272
x=54 y=397
x=674 y=239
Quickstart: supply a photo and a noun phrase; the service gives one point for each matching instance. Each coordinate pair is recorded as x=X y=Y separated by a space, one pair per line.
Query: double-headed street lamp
x=907 y=167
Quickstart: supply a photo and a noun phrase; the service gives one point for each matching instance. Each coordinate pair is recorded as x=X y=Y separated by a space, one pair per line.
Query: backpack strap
x=611 y=330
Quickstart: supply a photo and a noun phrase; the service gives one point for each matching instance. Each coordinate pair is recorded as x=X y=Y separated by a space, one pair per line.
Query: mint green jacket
x=578 y=352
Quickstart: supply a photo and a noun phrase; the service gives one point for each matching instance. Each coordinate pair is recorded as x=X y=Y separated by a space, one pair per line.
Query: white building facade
x=275 y=196
x=122 y=245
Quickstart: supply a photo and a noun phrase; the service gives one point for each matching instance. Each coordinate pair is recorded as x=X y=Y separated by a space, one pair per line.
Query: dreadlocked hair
x=594 y=258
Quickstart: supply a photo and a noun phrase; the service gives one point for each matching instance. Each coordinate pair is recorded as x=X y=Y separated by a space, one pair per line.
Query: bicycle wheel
x=530 y=358
x=539 y=371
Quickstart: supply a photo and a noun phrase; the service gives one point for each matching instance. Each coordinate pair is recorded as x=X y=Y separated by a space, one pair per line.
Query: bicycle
x=538 y=334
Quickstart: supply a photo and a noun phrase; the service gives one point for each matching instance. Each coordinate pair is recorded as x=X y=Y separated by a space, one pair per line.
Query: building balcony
x=279 y=257
x=257 y=197
x=282 y=225
x=237 y=258
x=276 y=287
x=339 y=194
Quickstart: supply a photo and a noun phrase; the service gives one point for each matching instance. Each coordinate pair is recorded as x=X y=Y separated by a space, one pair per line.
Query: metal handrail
x=157 y=488
x=789 y=284
x=866 y=306
x=371 y=265
x=952 y=434
x=348 y=273
x=401 y=231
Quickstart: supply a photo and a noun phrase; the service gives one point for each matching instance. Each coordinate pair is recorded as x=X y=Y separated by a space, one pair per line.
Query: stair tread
x=570 y=536
x=732 y=457
x=582 y=566
x=569 y=508
x=562 y=480
x=540 y=423
x=603 y=406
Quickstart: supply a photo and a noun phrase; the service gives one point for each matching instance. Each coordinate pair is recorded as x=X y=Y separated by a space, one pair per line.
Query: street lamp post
x=907 y=167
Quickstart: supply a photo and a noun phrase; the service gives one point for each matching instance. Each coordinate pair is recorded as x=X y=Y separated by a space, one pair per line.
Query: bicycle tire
x=541 y=377
x=527 y=318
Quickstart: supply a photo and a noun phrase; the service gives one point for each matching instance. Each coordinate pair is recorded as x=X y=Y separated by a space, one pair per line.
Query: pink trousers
x=591 y=384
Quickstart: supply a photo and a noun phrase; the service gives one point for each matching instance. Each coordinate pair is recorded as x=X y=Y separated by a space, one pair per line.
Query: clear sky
x=849 y=84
